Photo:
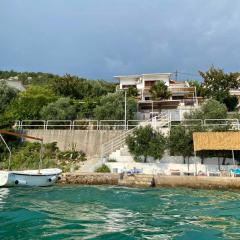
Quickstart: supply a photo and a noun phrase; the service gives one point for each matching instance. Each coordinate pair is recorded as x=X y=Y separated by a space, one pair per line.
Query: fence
x=231 y=124
x=76 y=124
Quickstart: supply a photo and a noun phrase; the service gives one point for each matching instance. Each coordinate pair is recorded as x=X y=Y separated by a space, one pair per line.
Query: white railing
x=112 y=125
x=56 y=124
x=32 y=124
x=120 y=140
x=85 y=124
x=233 y=124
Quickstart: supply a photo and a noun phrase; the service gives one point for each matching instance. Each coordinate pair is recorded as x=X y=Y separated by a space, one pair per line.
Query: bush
x=72 y=155
x=27 y=156
x=146 y=142
x=103 y=169
x=112 y=160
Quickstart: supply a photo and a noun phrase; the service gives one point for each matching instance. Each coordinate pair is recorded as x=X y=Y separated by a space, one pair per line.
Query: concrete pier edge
x=146 y=180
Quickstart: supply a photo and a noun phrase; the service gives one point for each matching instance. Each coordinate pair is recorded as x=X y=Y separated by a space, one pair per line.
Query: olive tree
x=112 y=107
x=62 y=109
x=211 y=109
x=146 y=142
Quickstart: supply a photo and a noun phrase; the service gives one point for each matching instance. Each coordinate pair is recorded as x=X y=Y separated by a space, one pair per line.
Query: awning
x=216 y=141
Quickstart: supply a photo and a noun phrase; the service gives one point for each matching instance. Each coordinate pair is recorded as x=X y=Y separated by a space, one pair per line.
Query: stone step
x=137 y=180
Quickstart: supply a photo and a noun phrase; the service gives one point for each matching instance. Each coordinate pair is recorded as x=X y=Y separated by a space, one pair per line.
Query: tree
x=7 y=94
x=112 y=107
x=70 y=86
x=132 y=92
x=198 y=86
x=80 y=88
x=159 y=91
x=28 y=104
x=231 y=102
x=181 y=142
x=217 y=84
x=211 y=109
x=62 y=109
x=146 y=142
x=86 y=108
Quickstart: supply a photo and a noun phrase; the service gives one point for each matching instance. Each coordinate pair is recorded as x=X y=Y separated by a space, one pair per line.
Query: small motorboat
x=40 y=177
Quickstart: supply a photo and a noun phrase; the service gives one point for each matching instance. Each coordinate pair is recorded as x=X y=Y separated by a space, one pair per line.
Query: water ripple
x=81 y=212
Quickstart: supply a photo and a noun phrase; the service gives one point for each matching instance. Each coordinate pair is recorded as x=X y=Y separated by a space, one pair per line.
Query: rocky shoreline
x=149 y=180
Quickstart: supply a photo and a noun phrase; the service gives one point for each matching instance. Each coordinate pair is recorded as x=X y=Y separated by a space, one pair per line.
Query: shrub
x=103 y=169
x=146 y=142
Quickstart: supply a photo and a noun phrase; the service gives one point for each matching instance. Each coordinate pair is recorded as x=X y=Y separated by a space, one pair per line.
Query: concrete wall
x=90 y=178
x=144 y=180
x=89 y=141
x=167 y=168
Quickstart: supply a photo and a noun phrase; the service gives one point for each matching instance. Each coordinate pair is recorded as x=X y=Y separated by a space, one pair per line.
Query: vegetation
x=62 y=109
x=7 y=95
x=146 y=142
x=217 y=85
x=103 y=169
x=111 y=107
x=26 y=155
x=28 y=104
x=159 y=91
x=198 y=86
x=210 y=109
x=49 y=96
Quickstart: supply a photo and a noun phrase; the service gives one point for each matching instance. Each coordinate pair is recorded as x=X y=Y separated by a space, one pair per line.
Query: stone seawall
x=198 y=182
x=147 y=180
x=89 y=141
x=90 y=178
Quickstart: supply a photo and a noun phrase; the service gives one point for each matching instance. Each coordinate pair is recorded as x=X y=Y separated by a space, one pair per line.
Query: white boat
x=31 y=178
x=40 y=177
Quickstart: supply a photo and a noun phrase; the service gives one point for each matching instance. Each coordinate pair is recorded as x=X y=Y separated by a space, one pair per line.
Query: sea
x=104 y=212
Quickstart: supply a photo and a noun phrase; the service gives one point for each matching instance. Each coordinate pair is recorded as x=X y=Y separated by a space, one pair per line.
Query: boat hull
x=32 y=178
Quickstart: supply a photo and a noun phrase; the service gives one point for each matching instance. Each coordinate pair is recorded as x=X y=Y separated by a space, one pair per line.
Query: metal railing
x=85 y=125
x=232 y=124
x=112 y=125
x=120 y=140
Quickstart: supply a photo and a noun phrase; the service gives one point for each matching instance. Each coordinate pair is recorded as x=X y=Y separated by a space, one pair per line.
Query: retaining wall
x=89 y=141
x=145 y=180
x=90 y=178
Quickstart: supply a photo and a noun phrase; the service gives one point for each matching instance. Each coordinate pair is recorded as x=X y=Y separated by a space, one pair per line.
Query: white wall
x=127 y=81
x=157 y=77
x=166 y=168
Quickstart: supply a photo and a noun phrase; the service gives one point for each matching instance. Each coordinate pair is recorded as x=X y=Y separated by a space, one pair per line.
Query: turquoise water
x=81 y=212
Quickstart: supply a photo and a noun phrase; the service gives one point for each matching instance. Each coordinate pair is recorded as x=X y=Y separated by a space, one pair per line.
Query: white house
x=143 y=82
x=183 y=97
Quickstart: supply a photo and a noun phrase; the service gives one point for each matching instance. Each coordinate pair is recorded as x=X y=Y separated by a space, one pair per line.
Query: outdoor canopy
x=216 y=141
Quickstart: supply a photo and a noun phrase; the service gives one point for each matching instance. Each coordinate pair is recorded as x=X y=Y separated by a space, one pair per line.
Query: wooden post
x=195 y=156
x=233 y=157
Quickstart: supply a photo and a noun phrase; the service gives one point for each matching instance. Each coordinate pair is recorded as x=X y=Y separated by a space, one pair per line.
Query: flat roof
x=141 y=75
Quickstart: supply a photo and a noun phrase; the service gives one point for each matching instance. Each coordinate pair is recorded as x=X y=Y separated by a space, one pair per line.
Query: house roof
x=141 y=75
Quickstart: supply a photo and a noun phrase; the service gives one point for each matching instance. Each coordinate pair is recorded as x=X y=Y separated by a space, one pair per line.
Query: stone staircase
x=119 y=142
x=140 y=180
x=122 y=155
x=117 y=149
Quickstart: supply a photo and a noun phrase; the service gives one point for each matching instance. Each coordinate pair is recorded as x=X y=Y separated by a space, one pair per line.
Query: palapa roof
x=216 y=141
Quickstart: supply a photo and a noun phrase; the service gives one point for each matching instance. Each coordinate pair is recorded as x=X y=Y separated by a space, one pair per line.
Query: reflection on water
x=3 y=195
x=79 y=212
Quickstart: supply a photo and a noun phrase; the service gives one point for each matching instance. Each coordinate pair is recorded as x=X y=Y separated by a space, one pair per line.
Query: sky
x=99 y=39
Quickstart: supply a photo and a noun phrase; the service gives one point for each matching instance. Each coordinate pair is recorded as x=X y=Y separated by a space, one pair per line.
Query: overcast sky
x=102 y=38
